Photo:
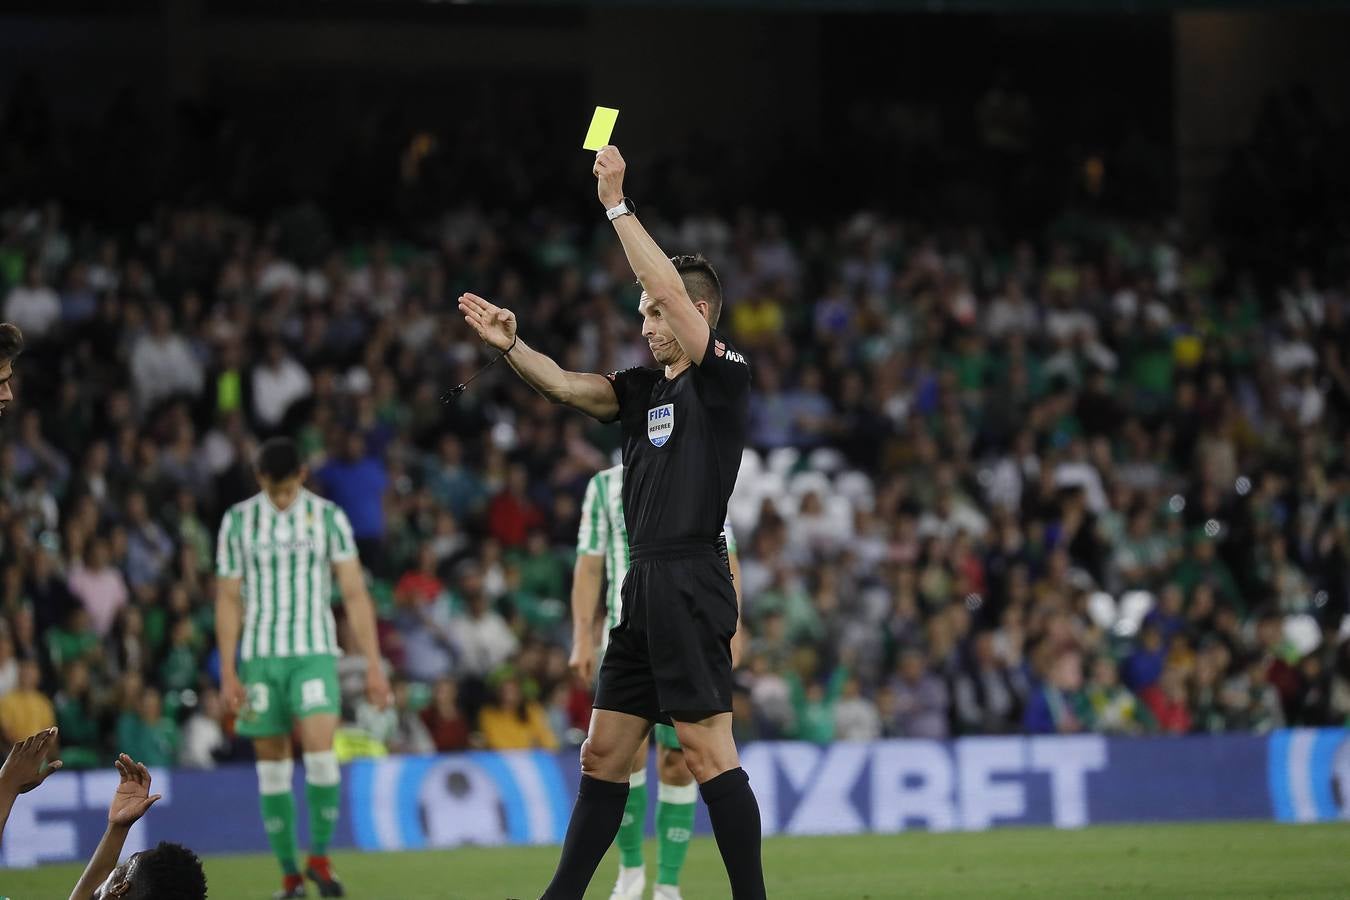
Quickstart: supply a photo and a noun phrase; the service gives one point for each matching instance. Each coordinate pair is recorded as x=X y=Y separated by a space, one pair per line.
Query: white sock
x=274 y=775
x=322 y=768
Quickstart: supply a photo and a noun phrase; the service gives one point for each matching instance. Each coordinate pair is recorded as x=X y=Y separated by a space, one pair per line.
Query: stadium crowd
x=1096 y=479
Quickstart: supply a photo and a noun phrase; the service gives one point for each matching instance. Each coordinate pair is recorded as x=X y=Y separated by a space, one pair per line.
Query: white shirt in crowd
x=279 y=274
x=772 y=699
x=275 y=388
x=484 y=642
x=856 y=719
x=961 y=516
x=162 y=366
x=1084 y=475
x=1011 y=316
x=34 y=309
x=202 y=737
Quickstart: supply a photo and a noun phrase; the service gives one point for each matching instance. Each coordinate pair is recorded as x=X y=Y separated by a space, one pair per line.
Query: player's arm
x=587 y=574
x=229 y=610
x=590 y=393
x=229 y=622
x=665 y=289
x=361 y=617
x=132 y=800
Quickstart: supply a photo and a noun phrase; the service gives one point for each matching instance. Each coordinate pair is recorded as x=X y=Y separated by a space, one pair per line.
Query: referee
x=669 y=657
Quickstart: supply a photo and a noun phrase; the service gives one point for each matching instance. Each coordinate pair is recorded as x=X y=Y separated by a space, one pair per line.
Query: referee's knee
x=707 y=756
x=600 y=760
x=703 y=766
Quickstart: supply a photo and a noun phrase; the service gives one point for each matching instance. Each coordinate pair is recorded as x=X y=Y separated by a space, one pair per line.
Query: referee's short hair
x=279 y=459
x=701 y=283
x=11 y=342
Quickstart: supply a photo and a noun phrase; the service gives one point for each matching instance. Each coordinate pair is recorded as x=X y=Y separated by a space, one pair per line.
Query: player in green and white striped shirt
x=277 y=553
x=603 y=535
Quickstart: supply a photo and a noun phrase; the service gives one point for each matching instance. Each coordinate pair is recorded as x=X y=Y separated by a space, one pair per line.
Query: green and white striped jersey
x=603 y=533
x=285 y=560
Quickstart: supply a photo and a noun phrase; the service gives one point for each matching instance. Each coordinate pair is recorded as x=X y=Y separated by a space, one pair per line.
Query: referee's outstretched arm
x=587 y=392
x=662 y=283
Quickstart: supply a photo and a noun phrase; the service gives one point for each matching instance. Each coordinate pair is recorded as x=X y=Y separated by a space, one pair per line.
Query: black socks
x=599 y=810
x=595 y=821
x=735 y=822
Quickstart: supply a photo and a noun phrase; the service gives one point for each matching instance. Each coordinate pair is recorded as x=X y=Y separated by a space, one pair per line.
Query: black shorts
x=671 y=651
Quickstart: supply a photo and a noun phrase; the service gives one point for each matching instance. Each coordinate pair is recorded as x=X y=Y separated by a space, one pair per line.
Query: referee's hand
x=582 y=661
x=496 y=326
x=608 y=170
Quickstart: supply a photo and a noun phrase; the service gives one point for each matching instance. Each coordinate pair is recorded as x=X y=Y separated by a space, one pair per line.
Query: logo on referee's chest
x=660 y=423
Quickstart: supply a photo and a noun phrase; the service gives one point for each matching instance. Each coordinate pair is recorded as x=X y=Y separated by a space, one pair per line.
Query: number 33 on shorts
x=283 y=690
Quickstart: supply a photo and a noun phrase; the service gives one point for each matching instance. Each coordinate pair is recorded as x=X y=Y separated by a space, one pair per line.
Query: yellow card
x=602 y=126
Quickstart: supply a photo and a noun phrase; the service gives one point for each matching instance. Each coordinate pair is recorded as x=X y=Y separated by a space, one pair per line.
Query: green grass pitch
x=1227 y=860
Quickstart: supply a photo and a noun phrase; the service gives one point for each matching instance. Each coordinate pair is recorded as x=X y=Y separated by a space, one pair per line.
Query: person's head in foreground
x=704 y=289
x=166 y=872
x=11 y=345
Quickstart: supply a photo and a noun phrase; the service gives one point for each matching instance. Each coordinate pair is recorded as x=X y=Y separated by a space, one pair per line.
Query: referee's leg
x=710 y=752
x=606 y=763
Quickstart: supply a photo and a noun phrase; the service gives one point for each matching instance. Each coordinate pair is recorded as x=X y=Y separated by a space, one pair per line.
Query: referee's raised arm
x=590 y=393
x=660 y=280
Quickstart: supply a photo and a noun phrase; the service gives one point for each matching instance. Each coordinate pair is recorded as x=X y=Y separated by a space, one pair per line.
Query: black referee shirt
x=682 y=445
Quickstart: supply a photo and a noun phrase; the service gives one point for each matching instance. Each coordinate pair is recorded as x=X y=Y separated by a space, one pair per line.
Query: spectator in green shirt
x=179 y=670
x=191 y=531
x=539 y=613
x=1237 y=330
x=1209 y=712
x=1283 y=578
x=76 y=640
x=81 y=747
x=542 y=573
x=1202 y=565
x=1114 y=709
x=786 y=595
x=1141 y=558
x=814 y=704
x=1149 y=365
x=147 y=735
x=1250 y=701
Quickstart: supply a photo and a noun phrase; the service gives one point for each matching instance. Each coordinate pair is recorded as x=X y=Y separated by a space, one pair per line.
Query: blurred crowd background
x=1070 y=467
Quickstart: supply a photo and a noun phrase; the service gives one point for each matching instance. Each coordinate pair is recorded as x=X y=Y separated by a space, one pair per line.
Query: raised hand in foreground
x=133 y=798
x=168 y=870
x=25 y=768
